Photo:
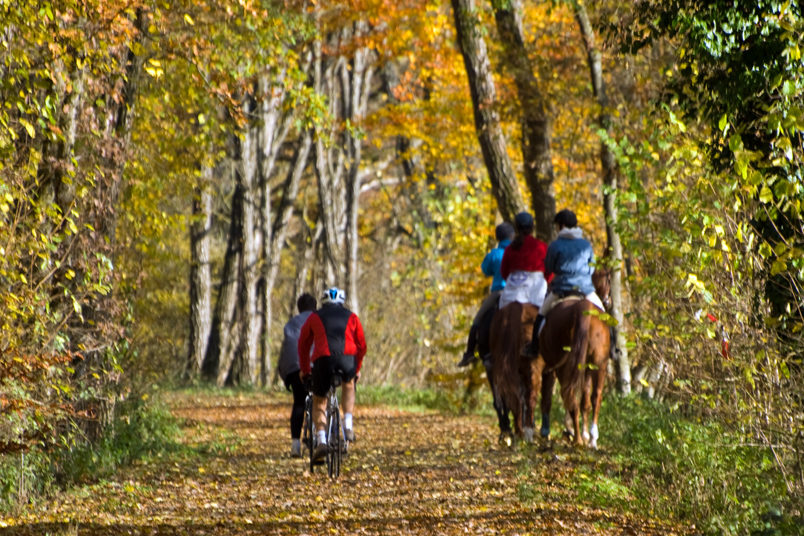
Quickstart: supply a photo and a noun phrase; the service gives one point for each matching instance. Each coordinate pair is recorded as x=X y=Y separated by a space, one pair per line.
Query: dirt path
x=409 y=473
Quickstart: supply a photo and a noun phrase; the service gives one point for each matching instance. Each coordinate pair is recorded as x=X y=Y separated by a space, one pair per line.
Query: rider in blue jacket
x=491 y=268
x=572 y=261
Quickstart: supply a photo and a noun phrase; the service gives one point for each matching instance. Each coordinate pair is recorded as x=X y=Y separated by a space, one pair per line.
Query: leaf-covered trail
x=409 y=473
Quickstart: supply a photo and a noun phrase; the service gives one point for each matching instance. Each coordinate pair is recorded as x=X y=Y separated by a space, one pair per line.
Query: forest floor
x=410 y=472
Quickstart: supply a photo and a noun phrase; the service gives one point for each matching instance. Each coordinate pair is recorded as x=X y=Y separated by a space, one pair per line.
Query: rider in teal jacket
x=491 y=267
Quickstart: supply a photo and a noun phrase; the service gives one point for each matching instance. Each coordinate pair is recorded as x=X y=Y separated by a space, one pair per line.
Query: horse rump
x=576 y=361
x=506 y=347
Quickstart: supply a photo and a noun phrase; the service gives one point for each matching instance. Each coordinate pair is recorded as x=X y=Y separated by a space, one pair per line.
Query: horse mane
x=601 y=280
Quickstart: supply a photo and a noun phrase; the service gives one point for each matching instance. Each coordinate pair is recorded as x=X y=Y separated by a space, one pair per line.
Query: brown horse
x=513 y=373
x=575 y=345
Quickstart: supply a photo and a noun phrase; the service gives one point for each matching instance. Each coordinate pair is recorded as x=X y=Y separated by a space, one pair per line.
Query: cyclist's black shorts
x=326 y=366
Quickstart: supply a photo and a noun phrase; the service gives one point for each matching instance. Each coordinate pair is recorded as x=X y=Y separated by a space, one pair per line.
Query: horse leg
x=586 y=405
x=571 y=405
x=599 y=381
x=517 y=414
x=499 y=408
x=548 y=383
x=568 y=430
x=526 y=377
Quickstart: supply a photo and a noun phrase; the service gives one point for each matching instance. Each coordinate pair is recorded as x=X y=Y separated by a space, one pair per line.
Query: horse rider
x=289 y=369
x=571 y=259
x=339 y=348
x=523 y=265
x=491 y=268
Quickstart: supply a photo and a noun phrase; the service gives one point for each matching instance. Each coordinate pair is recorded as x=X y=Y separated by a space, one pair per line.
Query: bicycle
x=337 y=445
x=336 y=440
x=308 y=434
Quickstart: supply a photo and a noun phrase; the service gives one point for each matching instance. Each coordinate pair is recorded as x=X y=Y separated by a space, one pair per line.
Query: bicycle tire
x=338 y=442
x=308 y=430
x=334 y=440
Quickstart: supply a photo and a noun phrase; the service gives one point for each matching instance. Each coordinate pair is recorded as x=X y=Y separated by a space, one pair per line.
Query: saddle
x=572 y=295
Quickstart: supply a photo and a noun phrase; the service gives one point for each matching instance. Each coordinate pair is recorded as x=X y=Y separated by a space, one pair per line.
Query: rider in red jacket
x=525 y=253
x=335 y=335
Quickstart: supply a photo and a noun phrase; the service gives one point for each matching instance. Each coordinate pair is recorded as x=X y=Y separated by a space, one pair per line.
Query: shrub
x=140 y=430
x=690 y=470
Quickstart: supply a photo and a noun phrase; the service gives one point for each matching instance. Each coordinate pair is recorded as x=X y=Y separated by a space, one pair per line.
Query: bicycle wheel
x=334 y=451
x=309 y=433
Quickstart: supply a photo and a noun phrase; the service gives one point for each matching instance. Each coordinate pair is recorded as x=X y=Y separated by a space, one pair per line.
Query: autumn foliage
x=173 y=176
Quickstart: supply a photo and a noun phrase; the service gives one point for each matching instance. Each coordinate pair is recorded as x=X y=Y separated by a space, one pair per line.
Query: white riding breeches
x=524 y=287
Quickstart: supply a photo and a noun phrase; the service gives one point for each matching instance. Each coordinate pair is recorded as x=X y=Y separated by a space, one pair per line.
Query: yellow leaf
x=189 y=20
x=28 y=127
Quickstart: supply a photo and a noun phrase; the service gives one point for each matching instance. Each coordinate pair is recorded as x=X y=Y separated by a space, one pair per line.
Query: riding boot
x=531 y=349
x=471 y=344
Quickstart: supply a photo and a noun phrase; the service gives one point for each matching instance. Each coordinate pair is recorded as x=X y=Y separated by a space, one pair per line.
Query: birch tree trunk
x=504 y=185
x=536 y=128
x=275 y=126
x=593 y=58
x=200 y=274
x=244 y=366
x=278 y=234
x=329 y=168
x=358 y=78
x=220 y=352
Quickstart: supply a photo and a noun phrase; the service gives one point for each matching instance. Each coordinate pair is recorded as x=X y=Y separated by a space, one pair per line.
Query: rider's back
x=571 y=258
x=524 y=254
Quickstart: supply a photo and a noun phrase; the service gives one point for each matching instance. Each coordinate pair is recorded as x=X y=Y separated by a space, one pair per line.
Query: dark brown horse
x=575 y=346
x=514 y=374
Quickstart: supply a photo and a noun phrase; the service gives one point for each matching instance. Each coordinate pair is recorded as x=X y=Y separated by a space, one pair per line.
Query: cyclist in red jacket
x=336 y=337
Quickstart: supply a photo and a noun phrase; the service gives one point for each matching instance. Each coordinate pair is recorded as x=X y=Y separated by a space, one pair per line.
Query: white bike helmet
x=334 y=295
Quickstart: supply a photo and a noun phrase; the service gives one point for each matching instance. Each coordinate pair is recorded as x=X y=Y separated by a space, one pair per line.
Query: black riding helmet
x=523 y=221
x=504 y=231
x=566 y=218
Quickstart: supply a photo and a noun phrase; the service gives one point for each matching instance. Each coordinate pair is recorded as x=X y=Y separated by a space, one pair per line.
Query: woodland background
x=175 y=174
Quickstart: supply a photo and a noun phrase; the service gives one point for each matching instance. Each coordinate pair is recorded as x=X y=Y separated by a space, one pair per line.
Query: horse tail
x=580 y=347
x=506 y=355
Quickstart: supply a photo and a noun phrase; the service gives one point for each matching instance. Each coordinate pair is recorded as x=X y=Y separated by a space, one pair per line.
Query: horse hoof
x=593 y=444
x=529 y=435
x=586 y=436
x=545 y=433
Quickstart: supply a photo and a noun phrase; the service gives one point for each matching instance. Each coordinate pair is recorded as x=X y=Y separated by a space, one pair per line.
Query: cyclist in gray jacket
x=289 y=369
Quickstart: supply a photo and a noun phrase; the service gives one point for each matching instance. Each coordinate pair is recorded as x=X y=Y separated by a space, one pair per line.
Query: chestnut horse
x=575 y=344
x=513 y=373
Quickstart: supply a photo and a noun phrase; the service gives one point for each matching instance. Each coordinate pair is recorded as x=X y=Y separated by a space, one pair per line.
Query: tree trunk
x=275 y=127
x=593 y=58
x=536 y=128
x=311 y=242
x=504 y=185
x=359 y=79
x=244 y=367
x=329 y=168
x=278 y=234
x=220 y=351
x=200 y=274
x=121 y=122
